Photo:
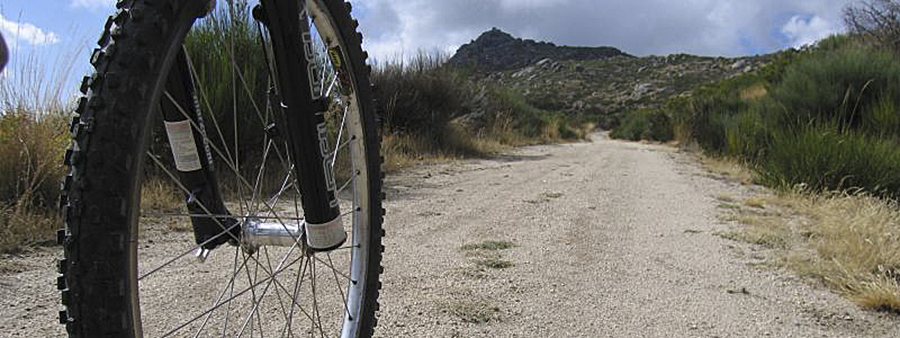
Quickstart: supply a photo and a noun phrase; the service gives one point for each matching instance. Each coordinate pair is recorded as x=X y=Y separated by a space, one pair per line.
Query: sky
x=55 y=31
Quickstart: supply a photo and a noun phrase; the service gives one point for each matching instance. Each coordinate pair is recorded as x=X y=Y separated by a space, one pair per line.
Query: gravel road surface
x=599 y=239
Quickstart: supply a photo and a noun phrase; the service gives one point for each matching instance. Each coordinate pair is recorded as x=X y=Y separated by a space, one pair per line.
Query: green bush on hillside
x=827 y=118
x=645 y=124
x=419 y=96
x=823 y=157
x=843 y=85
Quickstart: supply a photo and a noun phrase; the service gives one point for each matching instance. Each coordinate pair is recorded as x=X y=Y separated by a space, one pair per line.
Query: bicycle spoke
x=202 y=206
x=186 y=253
x=297 y=283
x=235 y=270
x=339 y=135
x=315 y=301
x=205 y=96
x=205 y=209
x=338 y=284
x=186 y=215
x=233 y=297
x=347 y=184
x=284 y=310
x=253 y=298
x=259 y=176
x=256 y=306
x=335 y=270
x=331 y=86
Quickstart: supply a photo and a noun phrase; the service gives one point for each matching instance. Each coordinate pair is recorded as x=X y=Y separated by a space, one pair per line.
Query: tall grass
x=842 y=86
x=823 y=157
x=419 y=96
x=226 y=51
x=34 y=115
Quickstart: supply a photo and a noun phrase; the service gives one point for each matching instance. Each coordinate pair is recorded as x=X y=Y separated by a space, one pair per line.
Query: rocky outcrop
x=496 y=50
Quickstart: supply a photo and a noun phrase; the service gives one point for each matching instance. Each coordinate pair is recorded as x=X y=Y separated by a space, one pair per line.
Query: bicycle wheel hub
x=257 y=233
x=318 y=237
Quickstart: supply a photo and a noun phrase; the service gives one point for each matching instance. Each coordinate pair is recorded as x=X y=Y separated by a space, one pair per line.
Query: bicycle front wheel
x=129 y=268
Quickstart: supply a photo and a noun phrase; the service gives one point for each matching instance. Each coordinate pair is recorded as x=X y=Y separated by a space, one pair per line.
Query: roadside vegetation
x=430 y=111
x=820 y=124
x=33 y=137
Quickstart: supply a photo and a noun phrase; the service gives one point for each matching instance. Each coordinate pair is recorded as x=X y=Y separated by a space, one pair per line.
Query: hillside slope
x=598 y=81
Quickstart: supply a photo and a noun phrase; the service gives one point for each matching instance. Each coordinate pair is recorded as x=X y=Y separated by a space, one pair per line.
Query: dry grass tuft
x=21 y=228
x=494 y=263
x=403 y=150
x=33 y=138
x=473 y=311
x=754 y=92
x=768 y=231
x=489 y=245
x=159 y=195
x=850 y=241
x=729 y=168
x=856 y=239
x=31 y=149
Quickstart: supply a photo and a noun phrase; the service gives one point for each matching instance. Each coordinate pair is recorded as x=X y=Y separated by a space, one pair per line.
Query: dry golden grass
x=475 y=311
x=727 y=167
x=23 y=227
x=31 y=149
x=850 y=242
x=160 y=195
x=768 y=231
x=401 y=150
x=856 y=240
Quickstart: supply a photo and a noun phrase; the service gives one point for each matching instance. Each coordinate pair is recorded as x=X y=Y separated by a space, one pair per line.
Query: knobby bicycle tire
x=101 y=195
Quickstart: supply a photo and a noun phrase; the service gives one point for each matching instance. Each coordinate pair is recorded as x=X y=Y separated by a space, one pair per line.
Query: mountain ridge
x=496 y=50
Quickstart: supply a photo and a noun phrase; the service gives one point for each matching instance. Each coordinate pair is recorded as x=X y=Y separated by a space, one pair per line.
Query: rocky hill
x=601 y=81
x=496 y=50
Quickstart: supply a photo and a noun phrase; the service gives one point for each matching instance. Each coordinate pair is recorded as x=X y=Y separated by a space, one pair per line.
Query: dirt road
x=601 y=239
x=612 y=239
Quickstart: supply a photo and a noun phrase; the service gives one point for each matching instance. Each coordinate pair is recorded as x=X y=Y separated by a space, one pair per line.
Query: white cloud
x=640 y=27
x=29 y=33
x=807 y=31
x=92 y=4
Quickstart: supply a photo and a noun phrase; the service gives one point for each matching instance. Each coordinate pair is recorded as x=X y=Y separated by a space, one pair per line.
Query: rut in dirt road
x=601 y=239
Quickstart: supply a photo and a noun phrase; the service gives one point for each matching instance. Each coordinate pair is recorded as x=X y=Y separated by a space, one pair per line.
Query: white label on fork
x=184 y=149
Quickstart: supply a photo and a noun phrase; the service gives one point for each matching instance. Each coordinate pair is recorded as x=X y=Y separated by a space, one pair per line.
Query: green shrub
x=645 y=124
x=709 y=120
x=844 y=84
x=747 y=135
x=433 y=108
x=633 y=126
x=824 y=157
x=419 y=96
x=825 y=117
